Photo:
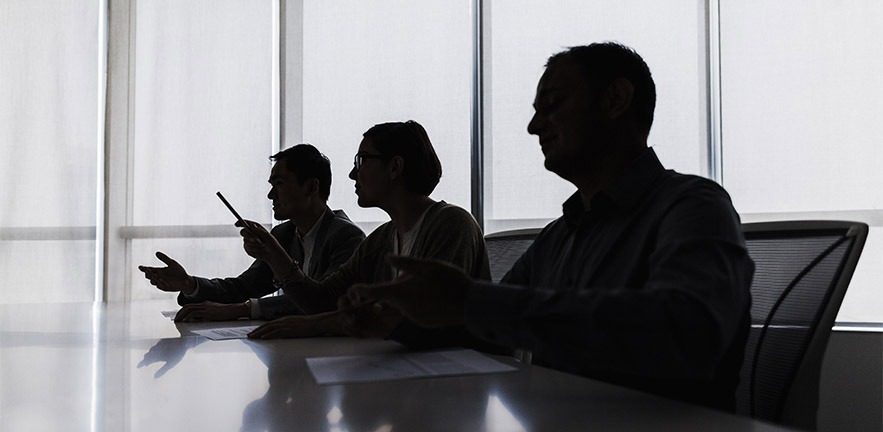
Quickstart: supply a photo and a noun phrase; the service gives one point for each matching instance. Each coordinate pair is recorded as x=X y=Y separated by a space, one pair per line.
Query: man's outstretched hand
x=171 y=278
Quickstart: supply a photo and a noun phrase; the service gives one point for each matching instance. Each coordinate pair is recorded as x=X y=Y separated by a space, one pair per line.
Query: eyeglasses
x=360 y=159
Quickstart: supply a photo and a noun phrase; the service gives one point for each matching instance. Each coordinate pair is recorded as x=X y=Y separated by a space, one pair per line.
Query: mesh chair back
x=802 y=271
x=505 y=247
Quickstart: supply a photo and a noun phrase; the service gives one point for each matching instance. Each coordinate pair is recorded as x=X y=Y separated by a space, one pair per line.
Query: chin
x=550 y=163
x=557 y=167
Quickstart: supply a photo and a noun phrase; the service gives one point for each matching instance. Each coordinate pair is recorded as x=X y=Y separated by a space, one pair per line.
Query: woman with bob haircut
x=395 y=169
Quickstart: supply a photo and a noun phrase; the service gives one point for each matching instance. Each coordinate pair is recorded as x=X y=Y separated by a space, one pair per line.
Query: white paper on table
x=226 y=332
x=398 y=366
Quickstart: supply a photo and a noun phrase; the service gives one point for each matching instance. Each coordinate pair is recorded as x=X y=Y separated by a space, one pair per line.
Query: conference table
x=126 y=367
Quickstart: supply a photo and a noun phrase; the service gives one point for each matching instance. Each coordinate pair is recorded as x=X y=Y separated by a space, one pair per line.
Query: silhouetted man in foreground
x=644 y=279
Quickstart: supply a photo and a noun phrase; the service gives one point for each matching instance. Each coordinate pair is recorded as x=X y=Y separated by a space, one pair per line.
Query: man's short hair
x=409 y=141
x=306 y=162
x=602 y=63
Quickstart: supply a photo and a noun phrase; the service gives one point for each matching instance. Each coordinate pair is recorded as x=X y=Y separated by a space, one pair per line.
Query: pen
x=239 y=218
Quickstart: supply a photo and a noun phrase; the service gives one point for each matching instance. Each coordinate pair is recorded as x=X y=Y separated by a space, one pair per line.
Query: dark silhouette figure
x=644 y=279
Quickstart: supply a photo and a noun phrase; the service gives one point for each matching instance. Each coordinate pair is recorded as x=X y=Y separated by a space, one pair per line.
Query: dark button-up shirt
x=649 y=288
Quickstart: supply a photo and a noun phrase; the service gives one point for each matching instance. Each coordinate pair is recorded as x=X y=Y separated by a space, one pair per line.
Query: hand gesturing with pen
x=430 y=293
x=261 y=245
x=257 y=241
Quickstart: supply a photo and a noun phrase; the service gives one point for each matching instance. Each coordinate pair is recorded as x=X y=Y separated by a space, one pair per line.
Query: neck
x=306 y=220
x=406 y=209
x=601 y=171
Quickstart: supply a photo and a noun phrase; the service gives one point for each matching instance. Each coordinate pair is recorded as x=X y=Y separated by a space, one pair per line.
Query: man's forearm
x=191 y=286
x=283 y=267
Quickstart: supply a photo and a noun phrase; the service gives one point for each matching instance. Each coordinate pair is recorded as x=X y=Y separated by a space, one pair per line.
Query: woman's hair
x=409 y=140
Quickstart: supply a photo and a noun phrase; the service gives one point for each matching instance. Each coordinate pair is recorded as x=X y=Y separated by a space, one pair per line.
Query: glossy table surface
x=125 y=367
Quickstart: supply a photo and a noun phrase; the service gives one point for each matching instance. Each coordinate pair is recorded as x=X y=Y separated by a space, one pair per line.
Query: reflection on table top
x=125 y=367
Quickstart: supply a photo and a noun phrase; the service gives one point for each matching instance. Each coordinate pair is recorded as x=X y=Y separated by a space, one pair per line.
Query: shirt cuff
x=256 y=312
x=195 y=292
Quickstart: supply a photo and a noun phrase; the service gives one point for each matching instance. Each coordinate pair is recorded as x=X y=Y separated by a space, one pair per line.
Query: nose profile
x=533 y=126
x=353 y=173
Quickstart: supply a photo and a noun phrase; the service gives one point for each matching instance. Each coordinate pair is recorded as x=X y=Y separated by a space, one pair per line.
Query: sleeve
x=340 y=246
x=313 y=297
x=276 y=307
x=454 y=237
x=686 y=313
x=457 y=239
x=254 y=282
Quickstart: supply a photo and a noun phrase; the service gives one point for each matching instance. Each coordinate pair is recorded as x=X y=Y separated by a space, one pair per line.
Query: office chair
x=505 y=247
x=802 y=271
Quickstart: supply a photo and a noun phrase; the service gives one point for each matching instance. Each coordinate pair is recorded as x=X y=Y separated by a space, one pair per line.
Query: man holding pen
x=318 y=238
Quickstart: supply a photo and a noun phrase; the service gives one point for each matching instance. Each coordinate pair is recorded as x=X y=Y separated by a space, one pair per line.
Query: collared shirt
x=336 y=239
x=650 y=288
x=308 y=240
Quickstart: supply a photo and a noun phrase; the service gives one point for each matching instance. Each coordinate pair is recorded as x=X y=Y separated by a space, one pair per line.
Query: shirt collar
x=629 y=187
x=314 y=229
x=625 y=191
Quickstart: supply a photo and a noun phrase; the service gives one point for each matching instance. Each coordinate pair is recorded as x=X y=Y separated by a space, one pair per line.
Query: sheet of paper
x=226 y=332
x=398 y=366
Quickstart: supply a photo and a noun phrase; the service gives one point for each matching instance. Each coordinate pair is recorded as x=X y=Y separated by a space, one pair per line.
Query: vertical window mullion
x=477 y=141
x=715 y=134
x=100 y=178
x=116 y=150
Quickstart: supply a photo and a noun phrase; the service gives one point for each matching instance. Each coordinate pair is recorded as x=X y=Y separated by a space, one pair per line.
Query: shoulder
x=340 y=216
x=377 y=240
x=678 y=184
x=553 y=232
x=686 y=190
x=283 y=230
x=697 y=205
x=450 y=220
x=449 y=213
x=341 y=223
x=382 y=233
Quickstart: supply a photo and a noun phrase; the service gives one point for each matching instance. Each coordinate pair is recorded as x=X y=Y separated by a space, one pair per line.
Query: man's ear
x=313 y=187
x=618 y=98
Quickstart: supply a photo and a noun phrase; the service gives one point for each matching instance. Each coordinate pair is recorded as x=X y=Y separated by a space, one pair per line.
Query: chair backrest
x=505 y=247
x=802 y=271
